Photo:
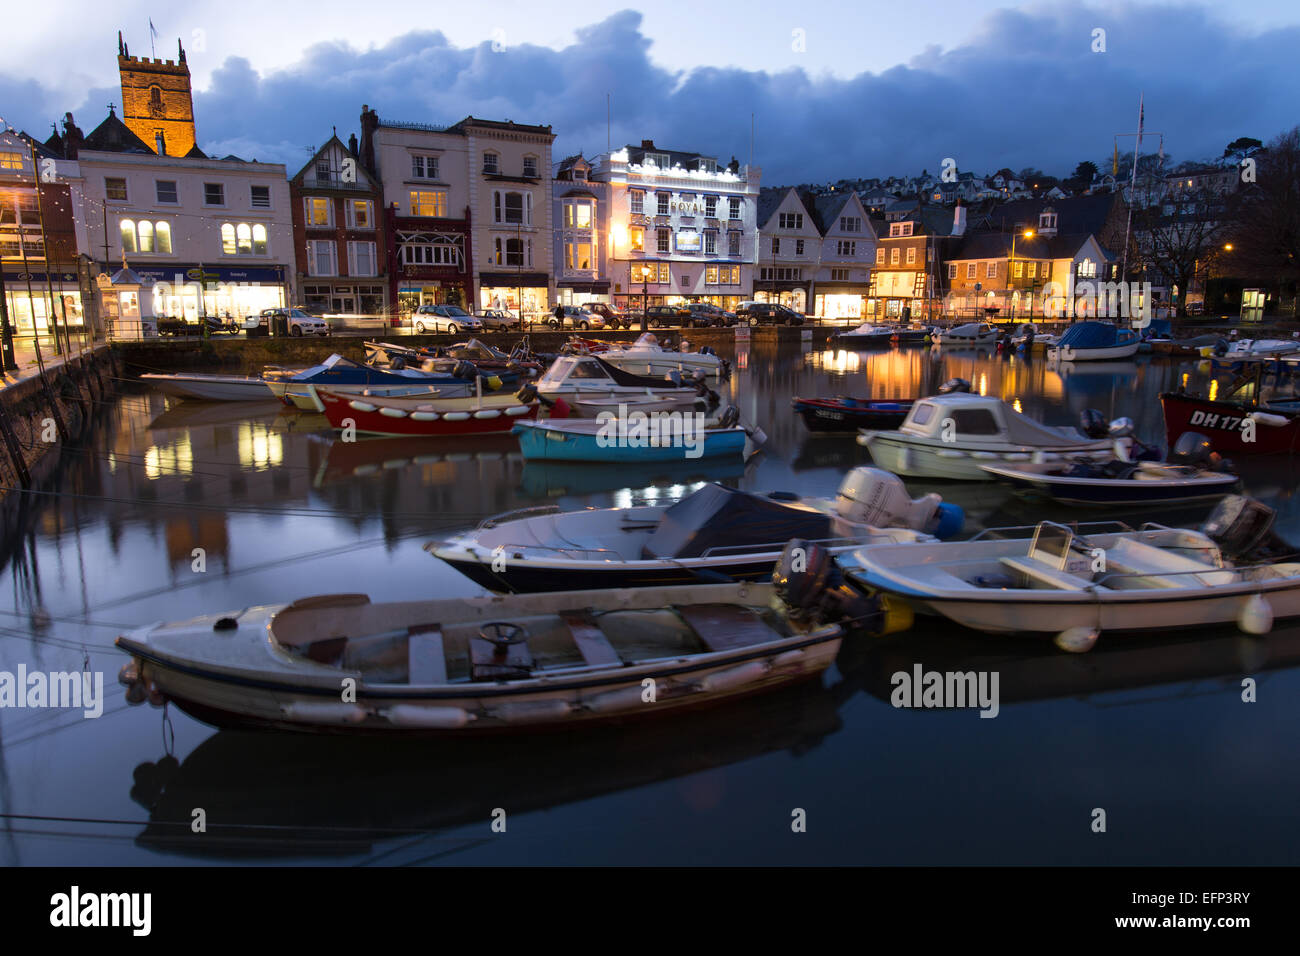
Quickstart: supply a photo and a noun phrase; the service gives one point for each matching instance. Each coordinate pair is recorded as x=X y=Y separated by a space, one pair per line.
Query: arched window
x=146 y=235
x=128 y=235
x=163 y=236
x=155 y=100
x=245 y=236
x=228 y=239
x=259 y=240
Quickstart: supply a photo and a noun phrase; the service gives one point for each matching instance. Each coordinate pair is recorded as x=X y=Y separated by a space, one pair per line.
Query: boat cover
x=621 y=377
x=720 y=517
x=1161 y=329
x=1092 y=335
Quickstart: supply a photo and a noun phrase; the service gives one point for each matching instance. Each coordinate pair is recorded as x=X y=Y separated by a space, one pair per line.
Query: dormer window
x=1047 y=221
x=580 y=174
x=900 y=229
x=659 y=160
x=706 y=165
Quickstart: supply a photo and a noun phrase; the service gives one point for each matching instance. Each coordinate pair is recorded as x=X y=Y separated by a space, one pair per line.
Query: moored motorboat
x=846 y=414
x=589 y=377
x=422 y=415
x=1082 y=581
x=1235 y=426
x=658 y=437
x=1127 y=483
x=460 y=665
x=952 y=435
x=337 y=370
x=647 y=357
x=212 y=388
x=970 y=333
x=912 y=335
x=1094 y=341
x=867 y=335
x=715 y=533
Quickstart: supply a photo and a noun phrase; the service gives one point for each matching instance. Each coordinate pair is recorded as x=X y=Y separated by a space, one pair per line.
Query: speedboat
x=1094 y=341
x=716 y=533
x=590 y=377
x=845 y=414
x=424 y=415
x=952 y=435
x=1258 y=350
x=1077 y=582
x=460 y=665
x=971 y=333
x=212 y=388
x=646 y=356
x=867 y=335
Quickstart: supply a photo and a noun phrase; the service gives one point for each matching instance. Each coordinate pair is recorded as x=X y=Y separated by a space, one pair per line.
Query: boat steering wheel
x=502 y=634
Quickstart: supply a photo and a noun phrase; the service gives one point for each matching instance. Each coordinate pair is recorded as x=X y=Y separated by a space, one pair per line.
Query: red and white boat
x=1235 y=427
x=425 y=415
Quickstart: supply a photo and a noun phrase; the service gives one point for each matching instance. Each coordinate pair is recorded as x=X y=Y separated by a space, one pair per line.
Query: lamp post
x=645 y=295
x=1011 y=269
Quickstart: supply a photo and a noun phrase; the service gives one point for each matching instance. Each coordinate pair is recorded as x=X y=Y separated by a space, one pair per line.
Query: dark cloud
x=1026 y=89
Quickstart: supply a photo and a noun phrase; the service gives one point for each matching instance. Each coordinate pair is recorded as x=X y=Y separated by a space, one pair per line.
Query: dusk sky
x=861 y=91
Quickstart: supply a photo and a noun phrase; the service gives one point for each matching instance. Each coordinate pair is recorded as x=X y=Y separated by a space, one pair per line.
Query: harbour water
x=176 y=509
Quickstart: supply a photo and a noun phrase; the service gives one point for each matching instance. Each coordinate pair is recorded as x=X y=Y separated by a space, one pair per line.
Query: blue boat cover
x=1094 y=335
x=1161 y=328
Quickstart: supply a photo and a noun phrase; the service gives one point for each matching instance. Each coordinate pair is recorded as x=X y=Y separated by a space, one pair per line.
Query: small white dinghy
x=646 y=356
x=212 y=388
x=1064 y=582
x=338 y=663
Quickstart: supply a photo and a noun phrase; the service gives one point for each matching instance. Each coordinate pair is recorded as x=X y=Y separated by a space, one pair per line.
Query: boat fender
x=1256 y=615
x=533 y=711
x=136 y=693
x=315 y=712
x=733 y=677
x=437 y=718
x=516 y=410
x=362 y=406
x=486 y=413
x=388 y=412
x=456 y=416
x=1265 y=418
x=1077 y=640
x=612 y=701
x=795 y=656
x=424 y=416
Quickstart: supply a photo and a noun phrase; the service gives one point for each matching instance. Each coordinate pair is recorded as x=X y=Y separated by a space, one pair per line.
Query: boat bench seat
x=1158 y=567
x=1044 y=573
x=594 y=646
x=726 y=627
x=425 y=656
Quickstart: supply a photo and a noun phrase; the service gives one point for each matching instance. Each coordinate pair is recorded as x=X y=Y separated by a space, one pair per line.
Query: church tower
x=157 y=104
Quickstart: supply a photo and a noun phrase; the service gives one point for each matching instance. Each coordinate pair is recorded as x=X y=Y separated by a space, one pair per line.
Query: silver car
x=444 y=318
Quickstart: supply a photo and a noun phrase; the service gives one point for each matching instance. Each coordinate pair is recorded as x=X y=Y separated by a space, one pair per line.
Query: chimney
x=647 y=144
x=369 y=123
x=352 y=144
x=959 y=220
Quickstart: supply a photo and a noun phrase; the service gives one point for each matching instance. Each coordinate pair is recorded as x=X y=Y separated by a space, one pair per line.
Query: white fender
x=392 y=412
x=424 y=416
x=1256 y=615
x=612 y=701
x=1077 y=640
x=362 y=406
x=734 y=677
x=1265 y=418
x=532 y=711
x=323 y=712
x=518 y=410
x=487 y=413
x=456 y=416
x=414 y=715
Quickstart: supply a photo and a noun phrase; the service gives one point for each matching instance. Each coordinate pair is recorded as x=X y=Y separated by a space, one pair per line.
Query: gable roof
x=1075 y=213
x=113 y=136
x=332 y=141
x=994 y=244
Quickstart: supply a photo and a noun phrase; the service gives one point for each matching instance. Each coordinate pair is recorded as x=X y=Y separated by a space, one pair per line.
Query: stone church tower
x=157 y=104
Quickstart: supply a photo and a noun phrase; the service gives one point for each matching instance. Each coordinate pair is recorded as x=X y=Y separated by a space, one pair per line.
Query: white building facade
x=682 y=228
x=580 y=210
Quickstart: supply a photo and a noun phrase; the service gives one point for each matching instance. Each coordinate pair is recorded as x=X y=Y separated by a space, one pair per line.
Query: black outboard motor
x=954 y=385
x=1220 y=347
x=730 y=417
x=1192 y=448
x=1093 y=423
x=397 y=363
x=529 y=393
x=1243 y=529
x=675 y=377
x=810 y=583
x=465 y=370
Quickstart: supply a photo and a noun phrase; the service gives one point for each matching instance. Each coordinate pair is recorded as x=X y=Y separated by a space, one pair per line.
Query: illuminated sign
x=688 y=240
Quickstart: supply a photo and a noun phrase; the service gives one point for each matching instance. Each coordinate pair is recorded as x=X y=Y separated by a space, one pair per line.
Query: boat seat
x=726 y=627
x=425 y=656
x=1137 y=557
x=1044 y=573
x=595 y=647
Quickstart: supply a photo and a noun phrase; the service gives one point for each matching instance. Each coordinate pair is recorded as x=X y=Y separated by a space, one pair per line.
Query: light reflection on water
x=1154 y=731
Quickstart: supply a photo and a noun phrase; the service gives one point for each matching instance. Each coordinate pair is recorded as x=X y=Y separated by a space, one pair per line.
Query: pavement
x=25 y=357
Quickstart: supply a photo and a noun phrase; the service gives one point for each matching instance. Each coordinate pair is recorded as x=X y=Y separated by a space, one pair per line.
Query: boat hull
x=1224 y=424
x=1066 y=353
x=540 y=443
x=1113 y=491
x=212 y=388
x=659 y=365
x=493 y=416
x=832 y=415
x=920 y=458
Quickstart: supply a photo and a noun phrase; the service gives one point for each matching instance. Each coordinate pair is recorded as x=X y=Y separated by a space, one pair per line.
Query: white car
x=576 y=318
x=296 y=322
x=444 y=318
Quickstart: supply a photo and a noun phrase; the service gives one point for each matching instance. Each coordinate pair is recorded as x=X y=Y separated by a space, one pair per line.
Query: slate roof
x=113 y=136
x=993 y=244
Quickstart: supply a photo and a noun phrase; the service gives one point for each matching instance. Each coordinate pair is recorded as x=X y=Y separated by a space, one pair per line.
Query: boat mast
x=1132 y=192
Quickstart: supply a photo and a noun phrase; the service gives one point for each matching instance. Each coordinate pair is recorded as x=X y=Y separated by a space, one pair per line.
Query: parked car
x=707 y=314
x=769 y=313
x=665 y=316
x=498 y=319
x=614 y=319
x=575 y=318
x=444 y=318
x=745 y=306
x=293 y=321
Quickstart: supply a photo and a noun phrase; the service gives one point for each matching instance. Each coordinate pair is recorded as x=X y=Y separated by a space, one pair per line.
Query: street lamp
x=1028 y=234
x=645 y=294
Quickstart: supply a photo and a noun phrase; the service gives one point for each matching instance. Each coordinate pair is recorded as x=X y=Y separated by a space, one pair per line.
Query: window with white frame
x=530 y=167
x=430 y=254
x=165 y=190
x=659 y=160
x=115 y=188
x=145 y=236
x=662 y=239
x=711 y=243
x=952 y=270
x=846 y=247
x=661 y=201
x=214 y=194
x=491 y=163
x=798 y=247
x=424 y=167
x=361 y=259
x=839 y=275
x=638 y=202
x=1019 y=269
x=360 y=214
x=791 y=220
x=971 y=268
x=321 y=258
x=577 y=214
x=850 y=224
x=514 y=252
x=1032 y=270
x=259 y=197
x=733 y=208
x=990 y=270
x=776 y=246
x=733 y=243
x=893 y=256
x=577 y=257
x=512 y=207
x=636 y=238
x=429 y=202
x=911 y=255
x=900 y=229
x=711 y=207
x=243 y=239
x=318 y=211
x=880 y=255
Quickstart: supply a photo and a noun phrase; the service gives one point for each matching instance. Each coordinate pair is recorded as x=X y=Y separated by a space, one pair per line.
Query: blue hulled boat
x=598 y=440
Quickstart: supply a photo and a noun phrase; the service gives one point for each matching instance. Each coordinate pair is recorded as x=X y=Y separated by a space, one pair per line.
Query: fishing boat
x=667 y=437
x=1078 y=582
x=953 y=435
x=464 y=665
x=1236 y=425
x=417 y=415
x=1094 y=341
x=647 y=357
x=845 y=414
x=715 y=533
x=867 y=335
x=212 y=388
x=589 y=377
x=971 y=333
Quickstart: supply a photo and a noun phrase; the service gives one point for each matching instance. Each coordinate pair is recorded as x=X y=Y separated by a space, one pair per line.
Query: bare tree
x=1266 y=217
x=1177 y=237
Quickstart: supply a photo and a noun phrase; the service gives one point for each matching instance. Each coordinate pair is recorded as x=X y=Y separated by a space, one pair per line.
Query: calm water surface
x=1154 y=732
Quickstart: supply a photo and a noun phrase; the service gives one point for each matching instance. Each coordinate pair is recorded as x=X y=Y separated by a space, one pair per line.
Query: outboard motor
x=1093 y=423
x=730 y=417
x=1243 y=528
x=1127 y=447
x=464 y=369
x=954 y=385
x=879 y=498
x=812 y=586
x=1192 y=448
x=675 y=378
x=397 y=363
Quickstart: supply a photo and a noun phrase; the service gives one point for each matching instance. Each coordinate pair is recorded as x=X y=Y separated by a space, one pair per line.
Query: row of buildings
x=479 y=214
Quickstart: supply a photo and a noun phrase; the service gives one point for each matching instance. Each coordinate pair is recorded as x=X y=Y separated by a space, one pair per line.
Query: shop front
x=32 y=297
x=343 y=298
x=511 y=290
x=792 y=295
x=190 y=291
x=570 y=292
x=840 y=300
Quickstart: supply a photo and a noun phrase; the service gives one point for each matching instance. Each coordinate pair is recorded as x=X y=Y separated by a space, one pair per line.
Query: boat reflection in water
x=323 y=796
x=553 y=479
x=365 y=457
